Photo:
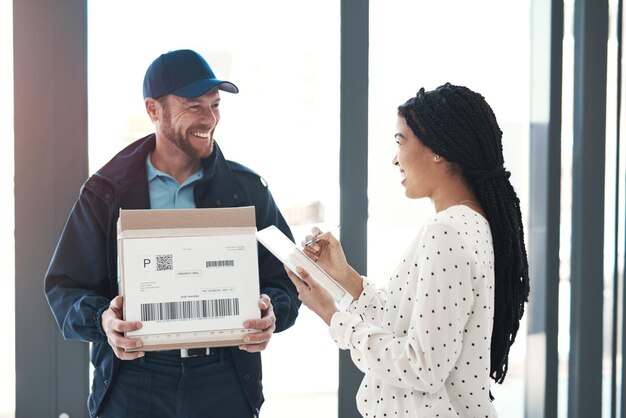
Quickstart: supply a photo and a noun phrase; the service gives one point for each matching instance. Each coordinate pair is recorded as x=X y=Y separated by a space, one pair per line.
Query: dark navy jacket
x=82 y=276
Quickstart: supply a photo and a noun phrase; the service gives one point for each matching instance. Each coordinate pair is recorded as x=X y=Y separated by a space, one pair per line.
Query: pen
x=314 y=240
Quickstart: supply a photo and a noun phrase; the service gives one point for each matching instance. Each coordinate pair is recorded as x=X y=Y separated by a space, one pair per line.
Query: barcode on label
x=189 y=309
x=165 y=262
x=220 y=263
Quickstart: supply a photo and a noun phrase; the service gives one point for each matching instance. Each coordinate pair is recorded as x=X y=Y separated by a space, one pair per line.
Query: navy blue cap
x=182 y=73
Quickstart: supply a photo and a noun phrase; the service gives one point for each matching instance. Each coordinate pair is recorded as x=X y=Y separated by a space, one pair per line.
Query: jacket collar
x=218 y=187
x=126 y=172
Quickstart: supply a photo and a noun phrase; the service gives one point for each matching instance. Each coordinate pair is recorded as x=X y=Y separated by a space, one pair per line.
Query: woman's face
x=417 y=162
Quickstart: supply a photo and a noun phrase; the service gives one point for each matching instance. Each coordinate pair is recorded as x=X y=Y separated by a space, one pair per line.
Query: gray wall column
x=544 y=215
x=353 y=167
x=587 y=279
x=50 y=75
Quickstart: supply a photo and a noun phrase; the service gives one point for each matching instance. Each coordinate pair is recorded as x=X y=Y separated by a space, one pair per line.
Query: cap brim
x=199 y=87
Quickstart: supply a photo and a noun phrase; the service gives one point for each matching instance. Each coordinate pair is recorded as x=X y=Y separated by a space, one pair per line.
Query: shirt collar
x=154 y=172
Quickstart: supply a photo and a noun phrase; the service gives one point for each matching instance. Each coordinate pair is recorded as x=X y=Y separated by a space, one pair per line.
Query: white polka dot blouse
x=424 y=341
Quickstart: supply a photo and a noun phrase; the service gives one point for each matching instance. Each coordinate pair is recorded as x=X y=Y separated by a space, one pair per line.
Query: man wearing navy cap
x=179 y=166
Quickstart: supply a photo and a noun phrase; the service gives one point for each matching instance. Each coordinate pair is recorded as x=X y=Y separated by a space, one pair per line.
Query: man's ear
x=152 y=109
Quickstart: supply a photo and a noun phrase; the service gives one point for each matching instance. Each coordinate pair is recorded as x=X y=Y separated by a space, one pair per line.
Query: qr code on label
x=165 y=262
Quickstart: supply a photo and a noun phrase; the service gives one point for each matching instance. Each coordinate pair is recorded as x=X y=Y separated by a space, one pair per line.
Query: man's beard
x=180 y=140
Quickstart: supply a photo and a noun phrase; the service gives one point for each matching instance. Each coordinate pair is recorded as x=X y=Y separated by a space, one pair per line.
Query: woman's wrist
x=353 y=282
x=328 y=316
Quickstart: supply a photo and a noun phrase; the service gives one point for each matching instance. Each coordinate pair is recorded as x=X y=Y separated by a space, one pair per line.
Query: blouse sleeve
x=370 y=304
x=423 y=355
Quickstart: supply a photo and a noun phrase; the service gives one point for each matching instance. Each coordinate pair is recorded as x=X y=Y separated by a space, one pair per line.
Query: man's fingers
x=117 y=306
x=258 y=341
x=117 y=302
x=124 y=326
x=120 y=342
x=265 y=302
x=254 y=348
x=115 y=327
x=262 y=323
x=266 y=321
x=258 y=337
x=128 y=326
x=123 y=355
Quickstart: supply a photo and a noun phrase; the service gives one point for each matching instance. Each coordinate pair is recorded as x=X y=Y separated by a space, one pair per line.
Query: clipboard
x=291 y=256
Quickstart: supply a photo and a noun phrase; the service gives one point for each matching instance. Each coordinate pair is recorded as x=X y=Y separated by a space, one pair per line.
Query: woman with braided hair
x=429 y=342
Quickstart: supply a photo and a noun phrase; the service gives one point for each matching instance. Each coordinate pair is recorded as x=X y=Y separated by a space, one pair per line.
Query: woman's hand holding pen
x=327 y=252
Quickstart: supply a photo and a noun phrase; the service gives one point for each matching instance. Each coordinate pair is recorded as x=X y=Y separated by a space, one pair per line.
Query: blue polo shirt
x=166 y=192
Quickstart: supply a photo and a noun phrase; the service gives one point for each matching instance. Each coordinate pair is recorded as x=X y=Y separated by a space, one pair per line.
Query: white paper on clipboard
x=291 y=256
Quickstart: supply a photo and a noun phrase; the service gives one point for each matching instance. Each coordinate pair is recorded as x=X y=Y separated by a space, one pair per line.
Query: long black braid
x=459 y=125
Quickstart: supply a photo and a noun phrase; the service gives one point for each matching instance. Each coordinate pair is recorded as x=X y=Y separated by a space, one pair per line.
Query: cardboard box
x=189 y=275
